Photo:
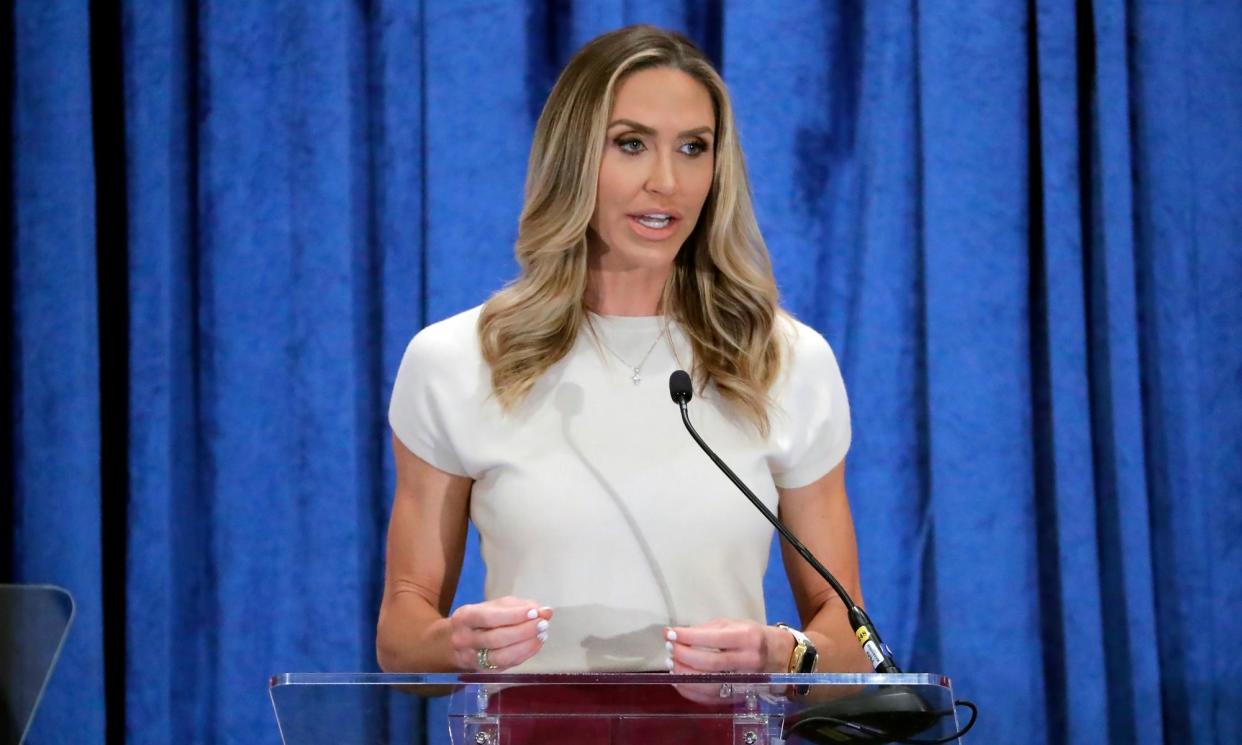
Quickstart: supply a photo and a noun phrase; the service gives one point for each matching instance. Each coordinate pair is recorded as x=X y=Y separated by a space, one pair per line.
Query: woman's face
x=656 y=170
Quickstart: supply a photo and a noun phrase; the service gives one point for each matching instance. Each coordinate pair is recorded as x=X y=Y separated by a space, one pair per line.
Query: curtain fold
x=1018 y=225
x=1186 y=106
x=170 y=605
x=1069 y=557
x=54 y=405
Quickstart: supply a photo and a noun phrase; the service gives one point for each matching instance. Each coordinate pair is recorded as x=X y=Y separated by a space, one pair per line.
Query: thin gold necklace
x=637 y=377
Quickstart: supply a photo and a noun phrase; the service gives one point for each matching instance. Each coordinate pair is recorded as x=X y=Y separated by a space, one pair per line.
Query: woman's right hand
x=511 y=629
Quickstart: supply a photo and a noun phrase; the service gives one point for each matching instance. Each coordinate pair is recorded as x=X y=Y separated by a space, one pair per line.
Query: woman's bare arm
x=426 y=543
x=819 y=515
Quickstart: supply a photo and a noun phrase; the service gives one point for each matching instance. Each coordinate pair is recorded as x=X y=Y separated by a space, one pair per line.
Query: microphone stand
x=891 y=714
x=877 y=651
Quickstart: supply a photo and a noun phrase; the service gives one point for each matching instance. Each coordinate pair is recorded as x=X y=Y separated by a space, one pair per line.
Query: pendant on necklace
x=636 y=378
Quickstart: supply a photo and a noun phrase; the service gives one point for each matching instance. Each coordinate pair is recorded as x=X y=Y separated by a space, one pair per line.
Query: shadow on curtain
x=1017 y=223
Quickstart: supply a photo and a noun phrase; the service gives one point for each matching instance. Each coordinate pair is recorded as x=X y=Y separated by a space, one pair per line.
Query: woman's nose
x=662 y=179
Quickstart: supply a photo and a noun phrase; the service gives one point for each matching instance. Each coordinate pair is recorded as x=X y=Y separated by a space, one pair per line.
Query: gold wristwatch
x=804 y=655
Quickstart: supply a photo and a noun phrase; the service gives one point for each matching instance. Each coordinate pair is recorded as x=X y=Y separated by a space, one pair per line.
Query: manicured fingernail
x=668 y=647
x=542 y=625
x=546 y=607
x=532 y=614
x=671 y=635
x=668 y=662
x=542 y=636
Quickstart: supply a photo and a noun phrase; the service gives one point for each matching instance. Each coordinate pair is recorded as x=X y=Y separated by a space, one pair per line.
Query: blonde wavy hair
x=721 y=290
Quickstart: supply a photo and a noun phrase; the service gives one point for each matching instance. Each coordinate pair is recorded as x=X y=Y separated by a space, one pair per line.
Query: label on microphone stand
x=873 y=652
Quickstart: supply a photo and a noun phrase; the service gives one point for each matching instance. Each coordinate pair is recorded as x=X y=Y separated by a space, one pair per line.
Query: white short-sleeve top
x=592 y=498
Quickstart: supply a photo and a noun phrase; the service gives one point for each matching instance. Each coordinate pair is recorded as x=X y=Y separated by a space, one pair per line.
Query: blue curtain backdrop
x=1018 y=223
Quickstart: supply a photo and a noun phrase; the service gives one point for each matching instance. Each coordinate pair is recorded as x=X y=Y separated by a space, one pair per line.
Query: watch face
x=809 y=658
x=804 y=655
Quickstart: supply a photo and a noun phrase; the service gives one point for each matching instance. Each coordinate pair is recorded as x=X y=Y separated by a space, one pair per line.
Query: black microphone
x=881 y=657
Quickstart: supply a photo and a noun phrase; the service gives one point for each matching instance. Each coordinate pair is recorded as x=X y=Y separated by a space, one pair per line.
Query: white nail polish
x=668 y=662
x=532 y=614
x=542 y=626
x=546 y=607
x=542 y=636
x=668 y=647
x=672 y=635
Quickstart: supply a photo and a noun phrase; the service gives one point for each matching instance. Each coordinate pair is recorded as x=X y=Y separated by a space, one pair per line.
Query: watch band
x=804 y=655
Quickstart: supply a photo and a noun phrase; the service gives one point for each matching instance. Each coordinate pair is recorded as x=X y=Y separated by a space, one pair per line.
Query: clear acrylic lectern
x=615 y=708
x=34 y=621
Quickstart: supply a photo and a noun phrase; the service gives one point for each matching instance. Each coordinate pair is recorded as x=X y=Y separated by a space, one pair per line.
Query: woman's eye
x=630 y=145
x=696 y=147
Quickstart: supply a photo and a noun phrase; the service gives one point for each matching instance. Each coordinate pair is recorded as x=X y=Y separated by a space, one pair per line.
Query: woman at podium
x=611 y=542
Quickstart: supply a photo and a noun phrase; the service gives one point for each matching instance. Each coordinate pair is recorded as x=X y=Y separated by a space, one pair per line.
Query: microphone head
x=680 y=387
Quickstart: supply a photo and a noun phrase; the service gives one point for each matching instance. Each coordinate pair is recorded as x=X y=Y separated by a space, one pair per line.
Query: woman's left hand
x=723 y=645
x=727 y=645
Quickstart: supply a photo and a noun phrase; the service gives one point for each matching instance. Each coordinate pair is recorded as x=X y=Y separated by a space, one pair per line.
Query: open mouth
x=655 y=222
x=654 y=225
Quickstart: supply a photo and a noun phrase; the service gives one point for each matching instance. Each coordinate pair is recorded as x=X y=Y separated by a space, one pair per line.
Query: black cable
x=879 y=735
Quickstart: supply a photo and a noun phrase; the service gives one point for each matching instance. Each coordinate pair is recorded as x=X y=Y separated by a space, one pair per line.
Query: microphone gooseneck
x=682 y=390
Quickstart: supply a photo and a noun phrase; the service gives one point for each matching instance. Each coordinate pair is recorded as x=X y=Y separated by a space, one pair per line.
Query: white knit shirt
x=592 y=498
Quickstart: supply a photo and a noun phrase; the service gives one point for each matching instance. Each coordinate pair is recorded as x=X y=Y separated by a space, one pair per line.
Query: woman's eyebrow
x=644 y=129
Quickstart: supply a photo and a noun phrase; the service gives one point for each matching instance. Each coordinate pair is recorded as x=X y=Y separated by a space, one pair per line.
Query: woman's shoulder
x=809 y=366
x=450 y=339
x=804 y=346
x=433 y=390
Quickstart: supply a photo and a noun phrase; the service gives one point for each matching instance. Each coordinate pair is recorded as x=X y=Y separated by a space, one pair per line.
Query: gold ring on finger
x=483 y=663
